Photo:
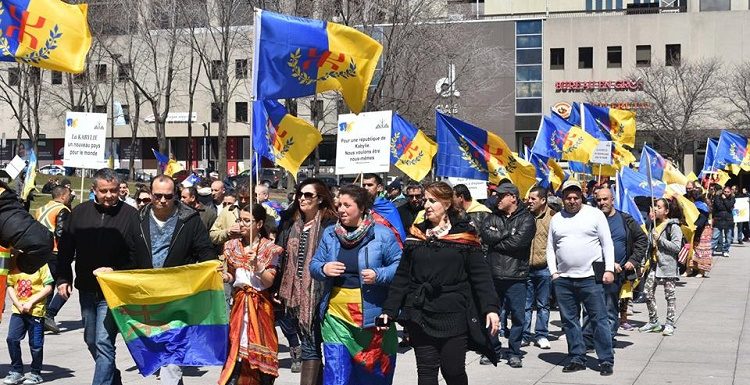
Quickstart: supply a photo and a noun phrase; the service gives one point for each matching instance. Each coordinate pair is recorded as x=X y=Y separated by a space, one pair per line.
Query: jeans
x=571 y=294
x=99 y=332
x=537 y=295
x=721 y=239
x=445 y=354
x=18 y=327
x=512 y=294
x=54 y=301
x=612 y=304
x=310 y=343
x=288 y=325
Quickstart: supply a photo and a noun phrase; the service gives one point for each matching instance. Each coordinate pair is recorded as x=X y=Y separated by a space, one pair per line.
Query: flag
x=548 y=142
x=637 y=184
x=580 y=167
x=605 y=122
x=173 y=167
x=575 y=114
x=172 y=315
x=471 y=152
x=411 y=150
x=160 y=158
x=191 y=180
x=672 y=175
x=691 y=176
x=709 y=159
x=282 y=138
x=558 y=139
x=296 y=57
x=732 y=149
x=654 y=160
x=29 y=181
x=49 y=34
x=542 y=170
x=557 y=175
x=721 y=178
x=624 y=201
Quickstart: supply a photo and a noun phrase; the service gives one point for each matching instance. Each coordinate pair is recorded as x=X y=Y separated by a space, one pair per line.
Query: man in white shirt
x=579 y=238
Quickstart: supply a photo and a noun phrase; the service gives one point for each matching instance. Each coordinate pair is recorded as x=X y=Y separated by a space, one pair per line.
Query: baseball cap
x=507 y=188
x=571 y=183
x=395 y=185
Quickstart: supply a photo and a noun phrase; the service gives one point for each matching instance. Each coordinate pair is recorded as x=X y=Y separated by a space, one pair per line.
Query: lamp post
x=207 y=143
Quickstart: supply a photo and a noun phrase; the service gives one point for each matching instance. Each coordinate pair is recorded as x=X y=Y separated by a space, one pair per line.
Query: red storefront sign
x=598 y=85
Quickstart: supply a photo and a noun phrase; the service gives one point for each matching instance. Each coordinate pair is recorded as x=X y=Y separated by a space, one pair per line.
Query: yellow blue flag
x=411 y=150
x=50 y=34
x=559 y=139
x=608 y=123
x=295 y=57
x=732 y=149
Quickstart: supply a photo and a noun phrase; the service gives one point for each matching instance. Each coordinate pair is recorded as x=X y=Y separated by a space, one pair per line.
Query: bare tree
x=682 y=102
x=21 y=91
x=737 y=95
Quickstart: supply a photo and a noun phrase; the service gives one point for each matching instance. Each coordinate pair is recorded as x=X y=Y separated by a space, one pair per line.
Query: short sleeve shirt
x=28 y=285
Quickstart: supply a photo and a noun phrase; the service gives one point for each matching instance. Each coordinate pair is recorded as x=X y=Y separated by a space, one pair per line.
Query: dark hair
x=59 y=191
x=107 y=175
x=673 y=209
x=540 y=191
x=359 y=195
x=444 y=194
x=142 y=190
x=462 y=191
x=259 y=215
x=192 y=191
x=414 y=186
x=370 y=175
x=326 y=200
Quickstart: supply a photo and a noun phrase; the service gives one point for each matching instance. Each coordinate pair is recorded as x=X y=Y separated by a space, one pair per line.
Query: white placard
x=85 y=135
x=741 y=210
x=363 y=143
x=477 y=187
x=602 y=153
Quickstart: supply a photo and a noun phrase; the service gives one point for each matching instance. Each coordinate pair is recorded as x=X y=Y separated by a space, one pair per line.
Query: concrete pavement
x=711 y=344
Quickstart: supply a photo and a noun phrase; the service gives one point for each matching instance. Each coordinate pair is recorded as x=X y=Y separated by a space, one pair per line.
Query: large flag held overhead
x=49 y=34
x=654 y=160
x=609 y=123
x=471 y=152
x=282 y=138
x=173 y=315
x=732 y=149
x=558 y=139
x=624 y=201
x=637 y=184
x=411 y=149
x=296 y=57
x=708 y=161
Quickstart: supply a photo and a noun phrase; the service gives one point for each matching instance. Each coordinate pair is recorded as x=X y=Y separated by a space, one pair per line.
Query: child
x=28 y=293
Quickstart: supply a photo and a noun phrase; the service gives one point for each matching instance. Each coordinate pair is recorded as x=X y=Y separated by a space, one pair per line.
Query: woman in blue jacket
x=356 y=259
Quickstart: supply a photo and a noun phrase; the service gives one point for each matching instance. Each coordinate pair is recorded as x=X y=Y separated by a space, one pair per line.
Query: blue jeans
x=310 y=344
x=288 y=325
x=537 y=295
x=721 y=239
x=54 y=301
x=99 y=332
x=18 y=327
x=571 y=294
x=612 y=304
x=512 y=294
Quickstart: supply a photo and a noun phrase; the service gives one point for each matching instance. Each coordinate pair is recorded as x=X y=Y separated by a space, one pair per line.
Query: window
x=100 y=109
x=126 y=113
x=529 y=90
x=123 y=72
x=240 y=68
x=56 y=77
x=101 y=72
x=79 y=78
x=672 y=55
x=532 y=41
x=614 y=57
x=316 y=110
x=528 y=106
x=240 y=111
x=715 y=5
x=643 y=56
x=585 y=57
x=216 y=69
x=528 y=73
x=14 y=76
x=79 y=108
x=557 y=58
x=528 y=67
x=215 y=112
x=35 y=75
x=529 y=27
x=528 y=56
x=341 y=107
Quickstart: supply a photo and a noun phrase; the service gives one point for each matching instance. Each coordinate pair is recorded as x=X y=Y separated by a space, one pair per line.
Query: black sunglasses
x=165 y=196
x=144 y=200
x=306 y=195
x=414 y=196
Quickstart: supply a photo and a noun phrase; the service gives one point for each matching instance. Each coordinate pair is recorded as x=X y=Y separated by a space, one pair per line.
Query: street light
x=207 y=143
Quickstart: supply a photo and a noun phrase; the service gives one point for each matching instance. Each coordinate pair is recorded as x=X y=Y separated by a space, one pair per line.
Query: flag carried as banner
x=172 y=315
x=653 y=160
x=411 y=149
x=295 y=57
x=558 y=139
x=637 y=184
x=606 y=123
x=624 y=201
x=49 y=34
x=470 y=152
x=282 y=138
x=708 y=161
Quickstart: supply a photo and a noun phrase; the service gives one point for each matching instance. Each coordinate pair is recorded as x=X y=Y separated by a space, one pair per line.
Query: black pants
x=446 y=354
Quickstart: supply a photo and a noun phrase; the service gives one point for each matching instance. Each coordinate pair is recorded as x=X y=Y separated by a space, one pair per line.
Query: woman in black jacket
x=723 y=221
x=443 y=291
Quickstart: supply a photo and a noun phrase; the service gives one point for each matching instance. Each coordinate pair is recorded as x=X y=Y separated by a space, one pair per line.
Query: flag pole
x=83 y=177
x=648 y=175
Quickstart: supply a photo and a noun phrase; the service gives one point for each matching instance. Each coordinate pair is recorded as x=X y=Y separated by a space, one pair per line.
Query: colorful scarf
x=464 y=238
x=301 y=296
x=265 y=252
x=351 y=239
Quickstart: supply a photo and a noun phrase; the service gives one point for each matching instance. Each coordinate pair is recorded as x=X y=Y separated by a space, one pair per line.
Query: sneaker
x=50 y=325
x=668 y=330
x=626 y=326
x=542 y=343
x=13 y=378
x=699 y=275
x=651 y=327
x=525 y=343
x=32 y=378
x=726 y=254
x=515 y=362
x=485 y=361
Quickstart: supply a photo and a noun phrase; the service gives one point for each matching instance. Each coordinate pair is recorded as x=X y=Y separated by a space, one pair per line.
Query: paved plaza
x=710 y=345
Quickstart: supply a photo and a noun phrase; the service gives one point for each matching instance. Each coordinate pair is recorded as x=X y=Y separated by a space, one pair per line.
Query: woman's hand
x=368 y=276
x=334 y=269
x=492 y=323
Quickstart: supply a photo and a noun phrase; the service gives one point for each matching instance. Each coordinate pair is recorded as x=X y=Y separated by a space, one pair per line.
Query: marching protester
x=476 y=211
x=508 y=233
x=143 y=197
x=189 y=197
x=443 y=291
x=217 y=196
x=272 y=208
x=394 y=193
x=383 y=211
x=356 y=259
x=666 y=239
x=538 y=283
x=312 y=213
x=100 y=236
x=253 y=344
x=723 y=221
x=125 y=195
x=413 y=206
x=579 y=238
x=702 y=260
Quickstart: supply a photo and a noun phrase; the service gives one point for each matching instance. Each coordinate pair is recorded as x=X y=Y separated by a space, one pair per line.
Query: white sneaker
x=726 y=254
x=668 y=330
x=543 y=343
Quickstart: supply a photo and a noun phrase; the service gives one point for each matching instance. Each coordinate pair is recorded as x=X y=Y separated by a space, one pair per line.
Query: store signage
x=598 y=85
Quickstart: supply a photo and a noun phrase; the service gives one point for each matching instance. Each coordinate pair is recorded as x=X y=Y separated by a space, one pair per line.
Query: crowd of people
x=337 y=268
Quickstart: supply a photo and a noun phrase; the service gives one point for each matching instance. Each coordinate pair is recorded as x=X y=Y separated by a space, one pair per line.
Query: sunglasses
x=306 y=195
x=164 y=196
x=417 y=196
x=143 y=200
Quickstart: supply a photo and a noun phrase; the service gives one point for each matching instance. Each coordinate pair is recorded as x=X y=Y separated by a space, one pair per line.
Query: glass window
x=531 y=41
x=100 y=109
x=101 y=72
x=528 y=106
x=585 y=57
x=643 y=56
x=614 y=57
x=715 y=5
x=215 y=112
x=56 y=77
x=529 y=27
x=529 y=56
x=526 y=73
x=316 y=110
x=240 y=69
x=672 y=55
x=240 y=111
x=528 y=89
x=216 y=69
x=123 y=72
x=557 y=58
x=126 y=113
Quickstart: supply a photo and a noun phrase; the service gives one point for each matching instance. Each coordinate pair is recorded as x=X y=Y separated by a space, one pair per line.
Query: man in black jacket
x=508 y=233
x=100 y=236
x=30 y=240
x=170 y=234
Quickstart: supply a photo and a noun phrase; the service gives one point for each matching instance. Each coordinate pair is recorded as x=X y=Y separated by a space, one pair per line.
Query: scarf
x=265 y=252
x=351 y=239
x=301 y=296
x=464 y=238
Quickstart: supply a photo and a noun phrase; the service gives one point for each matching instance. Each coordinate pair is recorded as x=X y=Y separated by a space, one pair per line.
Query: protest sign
x=602 y=153
x=85 y=135
x=477 y=187
x=741 y=210
x=363 y=143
